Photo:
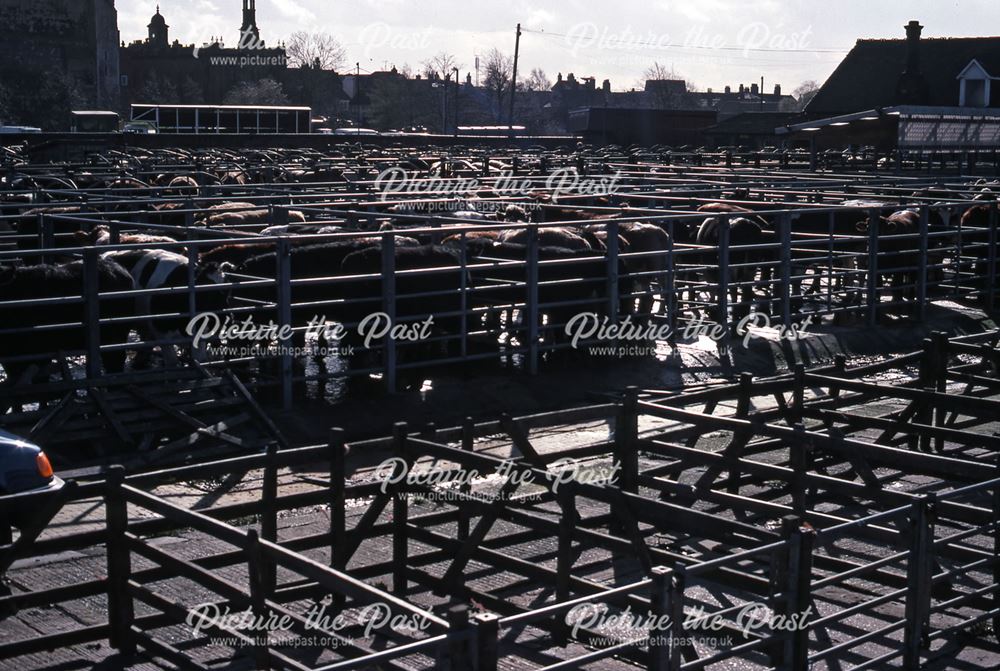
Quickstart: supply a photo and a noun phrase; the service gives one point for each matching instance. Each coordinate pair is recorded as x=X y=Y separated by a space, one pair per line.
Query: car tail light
x=44 y=466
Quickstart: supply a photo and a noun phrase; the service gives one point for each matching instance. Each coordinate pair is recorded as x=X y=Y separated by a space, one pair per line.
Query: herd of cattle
x=462 y=266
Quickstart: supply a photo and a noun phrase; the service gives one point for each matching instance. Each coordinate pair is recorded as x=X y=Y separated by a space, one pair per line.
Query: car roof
x=9 y=439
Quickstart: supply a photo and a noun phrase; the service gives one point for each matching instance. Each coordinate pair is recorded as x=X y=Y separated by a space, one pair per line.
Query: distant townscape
x=63 y=55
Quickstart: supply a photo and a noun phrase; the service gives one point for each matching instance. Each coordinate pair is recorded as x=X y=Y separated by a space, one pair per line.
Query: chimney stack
x=912 y=87
x=913 y=31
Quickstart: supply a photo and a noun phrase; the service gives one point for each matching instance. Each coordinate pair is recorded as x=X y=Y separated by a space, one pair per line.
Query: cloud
x=466 y=29
x=292 y=9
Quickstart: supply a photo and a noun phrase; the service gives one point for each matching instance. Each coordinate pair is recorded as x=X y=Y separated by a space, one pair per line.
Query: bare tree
x=804 y=94
x=659 y=72
x=262 y=92
x=499 y=69
x=538 y=81
x=667 y=88
x=309 y=50
x=440 y=65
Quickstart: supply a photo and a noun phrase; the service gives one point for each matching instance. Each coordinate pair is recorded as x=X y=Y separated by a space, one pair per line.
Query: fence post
x=338 y=483
x=92 y=312
x=192 y=281
x=627 y=439
x=568 y=520
x=799 y=598
x=800 y=458
x=991 y=271
x=659 y=608
x=675 y=606
x=46 y=235
x=614 y=300
x=996 y=547
x=279 y=215
x=919 y=568
x=925 y=218
x=284 y=279
x=799 y=391
x=456 y=646
x=258 y=599
x=723 y=298
x=464 y=296
x=872 y=278
x=785 y=230
x=188 y=207
x=400 y=510
x=487 y=631
x=468 y=445
x=531 y=299
x=121 y=610
x=269 y=514
x=941 y=346
x=668 y=284
x=389 y=308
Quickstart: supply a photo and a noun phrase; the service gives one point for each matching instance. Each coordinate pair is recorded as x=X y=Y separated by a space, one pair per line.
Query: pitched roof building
x=936 y=72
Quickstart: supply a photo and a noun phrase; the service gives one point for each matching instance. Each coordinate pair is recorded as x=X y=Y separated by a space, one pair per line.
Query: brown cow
x=101 y=236
x=259 y=217
x=654 y=244
x=547 y=237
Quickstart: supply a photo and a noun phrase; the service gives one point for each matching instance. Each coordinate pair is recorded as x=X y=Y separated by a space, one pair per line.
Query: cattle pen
x=870 y=506
x=156 y=303
x=787 y=247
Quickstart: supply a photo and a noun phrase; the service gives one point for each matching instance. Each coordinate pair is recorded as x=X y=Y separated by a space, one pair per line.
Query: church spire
x=249 y=33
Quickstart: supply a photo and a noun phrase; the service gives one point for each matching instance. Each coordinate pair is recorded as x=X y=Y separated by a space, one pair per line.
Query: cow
x=576 y=279
x=235 y=253
x=169 y=313
x=305 y=262
x=978 y=217
x=301 y=229
x=100 y=236
x=255 y=217
x=27 y=223
x=20 y=283
x=181 y=186
x=647 y=270
x=456 y=240
x=434 y=293
x=547 y=237
x=898 y=258
x=743 y=264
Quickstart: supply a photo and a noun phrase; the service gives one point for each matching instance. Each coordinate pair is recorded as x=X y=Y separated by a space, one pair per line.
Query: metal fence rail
x=794 y=272
x=720 y=505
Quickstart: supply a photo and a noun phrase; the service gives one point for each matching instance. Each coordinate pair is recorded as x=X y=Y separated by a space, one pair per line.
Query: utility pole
x=357 y=93
x=455 y=70
x=513 y=79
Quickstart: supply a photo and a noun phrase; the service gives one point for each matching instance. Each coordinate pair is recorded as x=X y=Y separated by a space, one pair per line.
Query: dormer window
x=975 y=86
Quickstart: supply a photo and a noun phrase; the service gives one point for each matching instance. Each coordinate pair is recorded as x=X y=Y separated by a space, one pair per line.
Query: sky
x=712 y=43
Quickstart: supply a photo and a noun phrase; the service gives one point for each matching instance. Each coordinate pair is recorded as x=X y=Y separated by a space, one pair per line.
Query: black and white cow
x=169 y=313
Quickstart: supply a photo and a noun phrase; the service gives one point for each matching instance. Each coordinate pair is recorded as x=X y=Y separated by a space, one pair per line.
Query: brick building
x=66 y=49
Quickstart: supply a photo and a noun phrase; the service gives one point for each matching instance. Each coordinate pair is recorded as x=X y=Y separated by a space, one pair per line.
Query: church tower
x=158 y=30
x=249 y=33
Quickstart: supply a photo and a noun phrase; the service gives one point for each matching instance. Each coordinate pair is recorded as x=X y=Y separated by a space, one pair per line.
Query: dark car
x=23 y=468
